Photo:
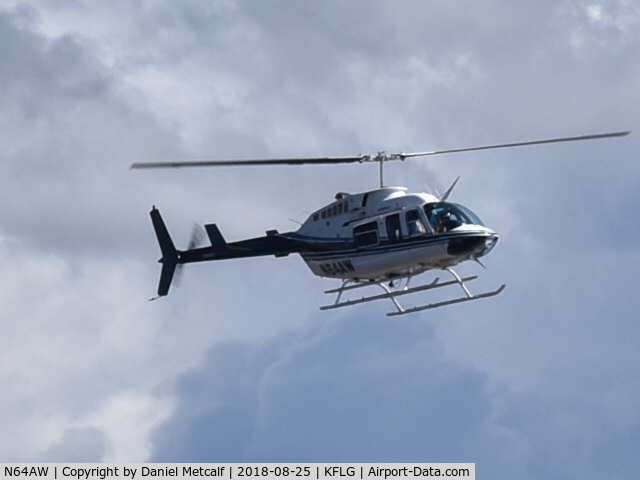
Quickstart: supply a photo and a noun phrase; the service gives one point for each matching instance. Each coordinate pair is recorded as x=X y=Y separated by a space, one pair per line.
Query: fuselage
x=388 y=232
x=380 y=234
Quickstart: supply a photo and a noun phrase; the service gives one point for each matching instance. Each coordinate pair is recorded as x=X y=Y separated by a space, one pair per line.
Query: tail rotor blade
x=197 y=239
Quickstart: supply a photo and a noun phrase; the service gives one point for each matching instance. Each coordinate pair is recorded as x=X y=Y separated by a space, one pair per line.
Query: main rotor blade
x=257 y=161
x=379 y=157
x=517 y=144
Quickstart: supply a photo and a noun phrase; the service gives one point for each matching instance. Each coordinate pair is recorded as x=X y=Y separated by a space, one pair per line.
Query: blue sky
x=238 y=364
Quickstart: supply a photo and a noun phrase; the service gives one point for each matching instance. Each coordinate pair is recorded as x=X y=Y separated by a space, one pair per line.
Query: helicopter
x=379 y=238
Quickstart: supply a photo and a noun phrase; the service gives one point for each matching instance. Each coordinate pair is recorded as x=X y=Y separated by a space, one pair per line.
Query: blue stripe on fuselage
x=318 y=248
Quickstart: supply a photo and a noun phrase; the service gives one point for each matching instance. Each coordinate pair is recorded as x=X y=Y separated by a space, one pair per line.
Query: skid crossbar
x=353 y=284
x=392 y=295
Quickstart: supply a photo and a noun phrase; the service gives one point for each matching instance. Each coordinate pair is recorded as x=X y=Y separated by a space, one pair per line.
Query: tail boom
x=273 y=243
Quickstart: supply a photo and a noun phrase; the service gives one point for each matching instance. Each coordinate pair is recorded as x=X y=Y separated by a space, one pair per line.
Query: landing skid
x=391 y=294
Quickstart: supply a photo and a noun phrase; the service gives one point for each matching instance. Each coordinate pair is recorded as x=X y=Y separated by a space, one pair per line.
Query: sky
x=238 y=364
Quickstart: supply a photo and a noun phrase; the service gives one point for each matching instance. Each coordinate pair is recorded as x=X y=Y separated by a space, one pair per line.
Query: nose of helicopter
x=473 y=244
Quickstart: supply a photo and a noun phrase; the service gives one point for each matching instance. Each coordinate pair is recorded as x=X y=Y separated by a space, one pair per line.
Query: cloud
x=609 y=25
x=69 y=141
x=79 y=445
x=358 y=390
x=76 y=334
x=238 y=363
x=369 y=390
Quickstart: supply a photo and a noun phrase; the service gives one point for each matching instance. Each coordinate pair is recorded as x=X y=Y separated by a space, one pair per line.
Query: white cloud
x=353 y=390
x=74 y=331
x=127 y=420
x=609 y=25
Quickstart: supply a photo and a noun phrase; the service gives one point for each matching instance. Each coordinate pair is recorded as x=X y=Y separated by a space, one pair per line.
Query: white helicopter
x=380 y=238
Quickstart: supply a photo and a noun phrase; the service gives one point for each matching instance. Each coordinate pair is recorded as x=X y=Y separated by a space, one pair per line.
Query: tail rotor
x=197 y=239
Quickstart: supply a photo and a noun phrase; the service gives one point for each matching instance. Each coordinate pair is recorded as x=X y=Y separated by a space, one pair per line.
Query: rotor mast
x=381 y=157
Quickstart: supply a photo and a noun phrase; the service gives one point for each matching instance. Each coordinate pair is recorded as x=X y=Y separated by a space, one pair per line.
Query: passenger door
x=394 y=230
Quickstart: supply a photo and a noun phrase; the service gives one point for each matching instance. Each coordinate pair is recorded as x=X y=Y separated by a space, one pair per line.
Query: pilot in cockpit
x=443 y=219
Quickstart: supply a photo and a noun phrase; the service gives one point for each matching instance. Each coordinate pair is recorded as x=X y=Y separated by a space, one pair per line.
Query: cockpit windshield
x=445 y=216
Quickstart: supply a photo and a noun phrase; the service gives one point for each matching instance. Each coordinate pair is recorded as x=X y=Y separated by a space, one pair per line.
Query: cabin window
x=334 y=210
x=315 y=217
x=415 y=226
x=394 y=231
x=324 y=214
x=366 y=235
x=339 y=209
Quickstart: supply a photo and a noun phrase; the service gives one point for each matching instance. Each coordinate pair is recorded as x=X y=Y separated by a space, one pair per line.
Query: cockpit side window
x=415 y=226
x=445 y=216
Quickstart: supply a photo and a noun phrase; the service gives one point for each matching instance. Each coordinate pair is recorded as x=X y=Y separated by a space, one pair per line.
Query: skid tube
x=391 y=294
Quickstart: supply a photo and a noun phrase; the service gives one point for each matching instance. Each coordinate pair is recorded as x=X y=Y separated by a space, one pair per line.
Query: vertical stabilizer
x=170 y=255
x=218 y=242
